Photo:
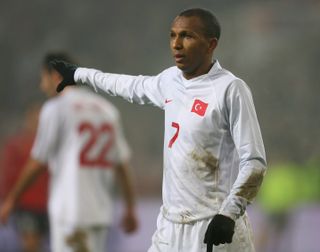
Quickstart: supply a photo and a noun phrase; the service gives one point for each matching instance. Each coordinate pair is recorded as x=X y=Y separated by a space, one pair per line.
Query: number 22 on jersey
x=98 y=159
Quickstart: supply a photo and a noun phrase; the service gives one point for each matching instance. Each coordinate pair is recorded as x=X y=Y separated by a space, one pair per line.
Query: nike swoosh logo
x=168 y=100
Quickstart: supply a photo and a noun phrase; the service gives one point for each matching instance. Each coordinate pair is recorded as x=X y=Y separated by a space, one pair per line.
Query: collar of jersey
x=216 y=67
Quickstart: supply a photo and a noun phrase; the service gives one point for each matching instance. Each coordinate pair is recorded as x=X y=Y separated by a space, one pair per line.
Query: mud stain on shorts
x=78 y=241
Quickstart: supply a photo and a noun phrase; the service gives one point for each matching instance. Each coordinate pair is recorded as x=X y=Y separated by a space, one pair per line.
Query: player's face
x=47 y=83
x=191 y=49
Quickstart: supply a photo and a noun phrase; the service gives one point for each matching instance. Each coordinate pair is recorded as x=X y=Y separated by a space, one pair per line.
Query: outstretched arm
x=30 y=172
x=139 y=89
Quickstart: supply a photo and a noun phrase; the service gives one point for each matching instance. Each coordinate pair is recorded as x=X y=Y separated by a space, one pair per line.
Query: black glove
x=220 y=230
x=67 y=72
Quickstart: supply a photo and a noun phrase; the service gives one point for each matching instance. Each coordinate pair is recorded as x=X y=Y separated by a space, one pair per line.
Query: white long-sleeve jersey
x=214 y=157
x=80 y=136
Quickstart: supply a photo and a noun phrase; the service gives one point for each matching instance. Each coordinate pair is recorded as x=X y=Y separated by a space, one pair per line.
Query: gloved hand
x=220 y=230
x=67 y=71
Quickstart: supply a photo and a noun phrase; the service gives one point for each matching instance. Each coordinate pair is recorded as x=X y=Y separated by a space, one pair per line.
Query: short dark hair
x=55 y=56
x=211 y=25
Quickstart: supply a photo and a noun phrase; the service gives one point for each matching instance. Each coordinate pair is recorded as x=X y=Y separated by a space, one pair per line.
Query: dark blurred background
x=272 y=45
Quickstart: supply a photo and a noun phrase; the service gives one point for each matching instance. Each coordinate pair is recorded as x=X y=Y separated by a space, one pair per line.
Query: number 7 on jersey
x=175 y=136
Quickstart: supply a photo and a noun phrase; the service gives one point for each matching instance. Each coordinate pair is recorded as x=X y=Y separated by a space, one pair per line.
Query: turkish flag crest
x=199 y=107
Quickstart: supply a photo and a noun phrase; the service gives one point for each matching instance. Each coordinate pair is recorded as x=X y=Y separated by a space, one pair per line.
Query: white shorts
x=72 y=239
x=176 y=237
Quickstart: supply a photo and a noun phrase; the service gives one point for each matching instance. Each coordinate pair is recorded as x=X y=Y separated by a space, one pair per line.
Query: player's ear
x=213 y=42
x=56 y=76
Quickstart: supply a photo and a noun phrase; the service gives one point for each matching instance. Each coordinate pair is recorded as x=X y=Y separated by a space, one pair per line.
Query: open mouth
x=179 y=58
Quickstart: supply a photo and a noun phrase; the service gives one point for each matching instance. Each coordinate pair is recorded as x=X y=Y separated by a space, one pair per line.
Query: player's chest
x=194 y=110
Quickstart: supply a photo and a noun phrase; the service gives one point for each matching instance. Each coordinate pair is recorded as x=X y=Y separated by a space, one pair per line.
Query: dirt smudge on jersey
x=207 y=164
x=250 y=187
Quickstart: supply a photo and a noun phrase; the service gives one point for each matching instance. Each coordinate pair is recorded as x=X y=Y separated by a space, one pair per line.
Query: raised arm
x=139 y=89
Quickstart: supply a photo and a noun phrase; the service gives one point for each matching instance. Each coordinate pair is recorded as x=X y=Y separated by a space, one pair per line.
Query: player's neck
x=198 y=72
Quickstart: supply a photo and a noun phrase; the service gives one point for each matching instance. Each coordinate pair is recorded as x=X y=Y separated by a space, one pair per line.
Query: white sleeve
x=245 y=131
x=139 y=89
x=47 y=134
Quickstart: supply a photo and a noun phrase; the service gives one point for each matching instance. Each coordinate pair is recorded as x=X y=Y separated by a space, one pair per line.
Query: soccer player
x=214 y=157
x=79 y=135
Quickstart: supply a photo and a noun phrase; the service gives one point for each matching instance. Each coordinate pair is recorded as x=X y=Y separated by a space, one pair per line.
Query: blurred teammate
x=30 y=215
x=214 y=157
x=79 y=135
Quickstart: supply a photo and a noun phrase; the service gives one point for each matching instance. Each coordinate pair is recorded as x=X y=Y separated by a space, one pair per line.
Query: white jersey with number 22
x=80 y=137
